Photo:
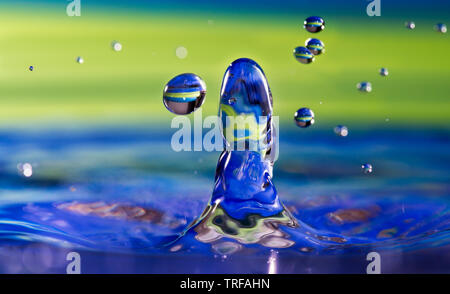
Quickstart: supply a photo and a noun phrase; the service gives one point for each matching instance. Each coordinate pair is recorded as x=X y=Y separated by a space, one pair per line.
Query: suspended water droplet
x=366 y=168
x=25 y=169
x=80 y=60
x=341 y=131
x=410 y=25
x=184 y=93
x=304 y=117
x=31 y=68
x=314 y=24
x=441 y=28
x=384 y=71
x=303 y=55
x=315 y=46
x=116 y=46
x=181 y=52
x=364 y=87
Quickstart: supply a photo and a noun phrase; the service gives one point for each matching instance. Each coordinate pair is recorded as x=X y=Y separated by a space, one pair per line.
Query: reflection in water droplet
x=366 y=168
x=181 y=52
x=304 y=117
x=184 y=93
x=314 y=24
x=80 y=60
x=384 y=71
x=31 y=68
x=303 y=55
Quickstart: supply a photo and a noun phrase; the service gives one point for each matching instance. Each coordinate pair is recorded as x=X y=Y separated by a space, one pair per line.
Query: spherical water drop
x=384 y=71
x=315 y=46
x=303 y=55
x=410 y=25
x=116 y=46
x=314 y=24
x=80 y=60
x=441 y=28
x=31 y=68
x=366 y=168
x=184 y=93
x=304 y=117
x=181 y=52
x=364 y=87
x=341 y=131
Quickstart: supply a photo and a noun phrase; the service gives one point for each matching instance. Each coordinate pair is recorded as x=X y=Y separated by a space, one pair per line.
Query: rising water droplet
x=184 y=93
x=304 y=117
x=314 y=24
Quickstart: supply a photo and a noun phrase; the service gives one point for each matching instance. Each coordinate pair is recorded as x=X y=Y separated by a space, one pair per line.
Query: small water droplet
x=80 y=60
x=116 y=46
x=303 y=55
x=304 y=117
x=341 y=131
x=184 y=93
x=366 y=168
x=314 y=24
x=441 y=28
x=410 y=25
x=384 y=72
x=364 y=87
x=31 y=68
x=315 y=46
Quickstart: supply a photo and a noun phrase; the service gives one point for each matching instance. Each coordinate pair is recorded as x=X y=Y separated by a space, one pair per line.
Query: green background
x=121 y=88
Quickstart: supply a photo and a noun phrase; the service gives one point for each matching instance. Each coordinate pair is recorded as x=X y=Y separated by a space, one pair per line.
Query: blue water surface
x=118 y=196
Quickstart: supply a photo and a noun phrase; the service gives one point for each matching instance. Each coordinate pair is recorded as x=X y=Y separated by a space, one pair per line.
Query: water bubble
x=304 y=117
x=366 y=168
x=303 y=55
x=341 y=131
x=31 y=68
x=181 y=52
x=384 y=71
x=116 y=46
x=315 y=46
x=441 y=28
x=314 y=24
x=184 y=93
x=80 y=60
x=410 y=25
x=364 y=87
